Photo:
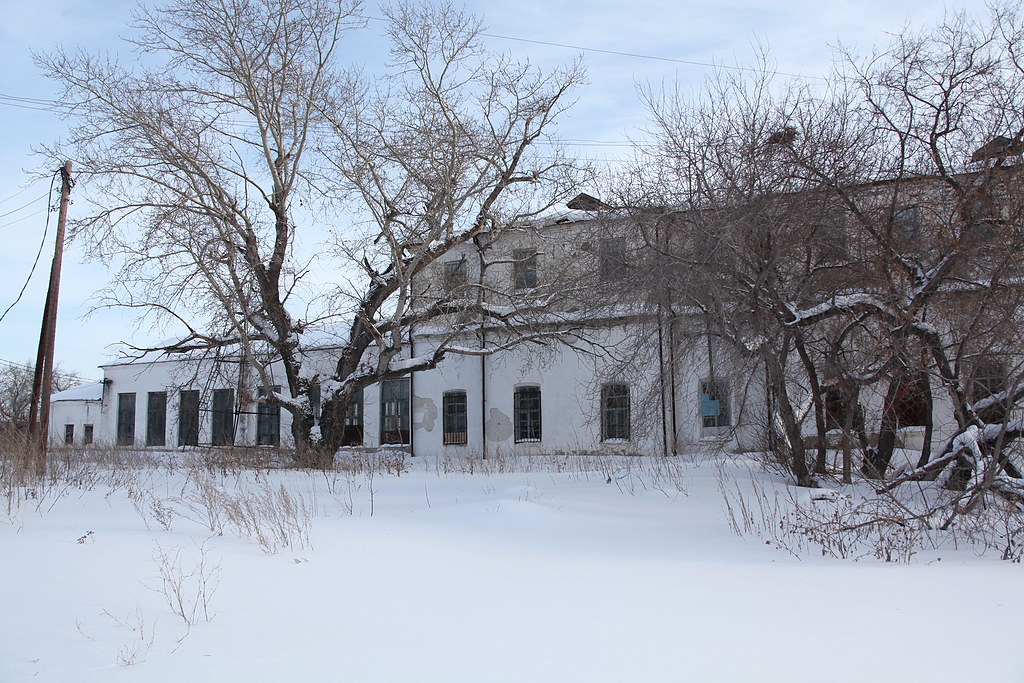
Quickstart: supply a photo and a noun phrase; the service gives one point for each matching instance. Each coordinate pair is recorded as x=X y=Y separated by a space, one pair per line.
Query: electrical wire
x=42 y=243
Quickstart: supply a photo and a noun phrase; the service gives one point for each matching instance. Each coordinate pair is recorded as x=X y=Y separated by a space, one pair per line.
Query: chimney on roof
x=584 y=202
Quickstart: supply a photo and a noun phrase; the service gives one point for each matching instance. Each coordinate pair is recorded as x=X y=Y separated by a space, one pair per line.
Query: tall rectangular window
x=69 y=434
x=615 y=412
x=455 y=417
x=527 y=414
x=613 y=259
x=714 y=404
x=353 y=435
x=126 y=419
x=188 y=418
x=156 y=418
x=524 y=268
x=268 y=419
x=87 y=435
x=395 y=416
x=223 y=432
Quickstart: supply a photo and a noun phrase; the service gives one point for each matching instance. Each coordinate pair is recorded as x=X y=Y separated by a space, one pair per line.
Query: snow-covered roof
x=93 y=391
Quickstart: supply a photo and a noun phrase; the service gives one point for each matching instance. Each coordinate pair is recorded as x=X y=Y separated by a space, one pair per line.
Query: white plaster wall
x=78 y=413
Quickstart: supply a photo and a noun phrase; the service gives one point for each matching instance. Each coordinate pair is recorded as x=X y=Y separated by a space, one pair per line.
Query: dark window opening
x=906 y=222
x=455 y=417
x=615 y=412
x=988 y=380
x=69 y=434
x=188 y=418
x=524 y=268
x=156 y=418
x=912 y=403
x=395 y=416
x=125 y=419
x=527 y=411
x=87 y=435
x=455 y=276
x=268 y=419
x=223 y=433
x=613 y=259
x=353 y=433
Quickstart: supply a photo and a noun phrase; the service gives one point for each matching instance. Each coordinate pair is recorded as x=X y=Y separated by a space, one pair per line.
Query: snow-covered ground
x=560 y=570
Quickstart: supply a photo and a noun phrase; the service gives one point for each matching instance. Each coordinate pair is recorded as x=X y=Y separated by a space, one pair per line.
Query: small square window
x=524 y=268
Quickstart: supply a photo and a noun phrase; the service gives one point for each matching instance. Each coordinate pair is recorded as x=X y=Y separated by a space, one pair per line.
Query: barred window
x=456 y=422
x=527 y=414
x=615 y=412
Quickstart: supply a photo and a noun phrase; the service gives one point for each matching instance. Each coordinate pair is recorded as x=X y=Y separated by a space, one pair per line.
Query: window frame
x=87 y=434
x=268 y=418
x=715 y=388
x=222 y=425
x=69 y=434
x=126 y=419
x=396 y=412
x=456 y=275
x=613 y=264
x=616 y=419
x=524 y=269
x=455 y=418
x=156 y=418
x=528 y=414
x=354 y=429
x=188 y=417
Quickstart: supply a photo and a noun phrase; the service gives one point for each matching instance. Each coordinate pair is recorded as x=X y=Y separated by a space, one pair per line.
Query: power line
x=21 y=191
x=42 y=242
x=23 y=206
x=634 y=55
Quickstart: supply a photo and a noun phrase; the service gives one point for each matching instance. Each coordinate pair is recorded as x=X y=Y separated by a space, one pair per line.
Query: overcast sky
x=799 y=34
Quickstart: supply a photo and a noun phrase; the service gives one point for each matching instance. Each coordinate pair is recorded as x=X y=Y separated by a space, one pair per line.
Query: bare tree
x=16 y=394
x=195 y=166
x=859 y=233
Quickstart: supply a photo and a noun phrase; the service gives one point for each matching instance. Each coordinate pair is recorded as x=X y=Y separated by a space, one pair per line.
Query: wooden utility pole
x=42 y=382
